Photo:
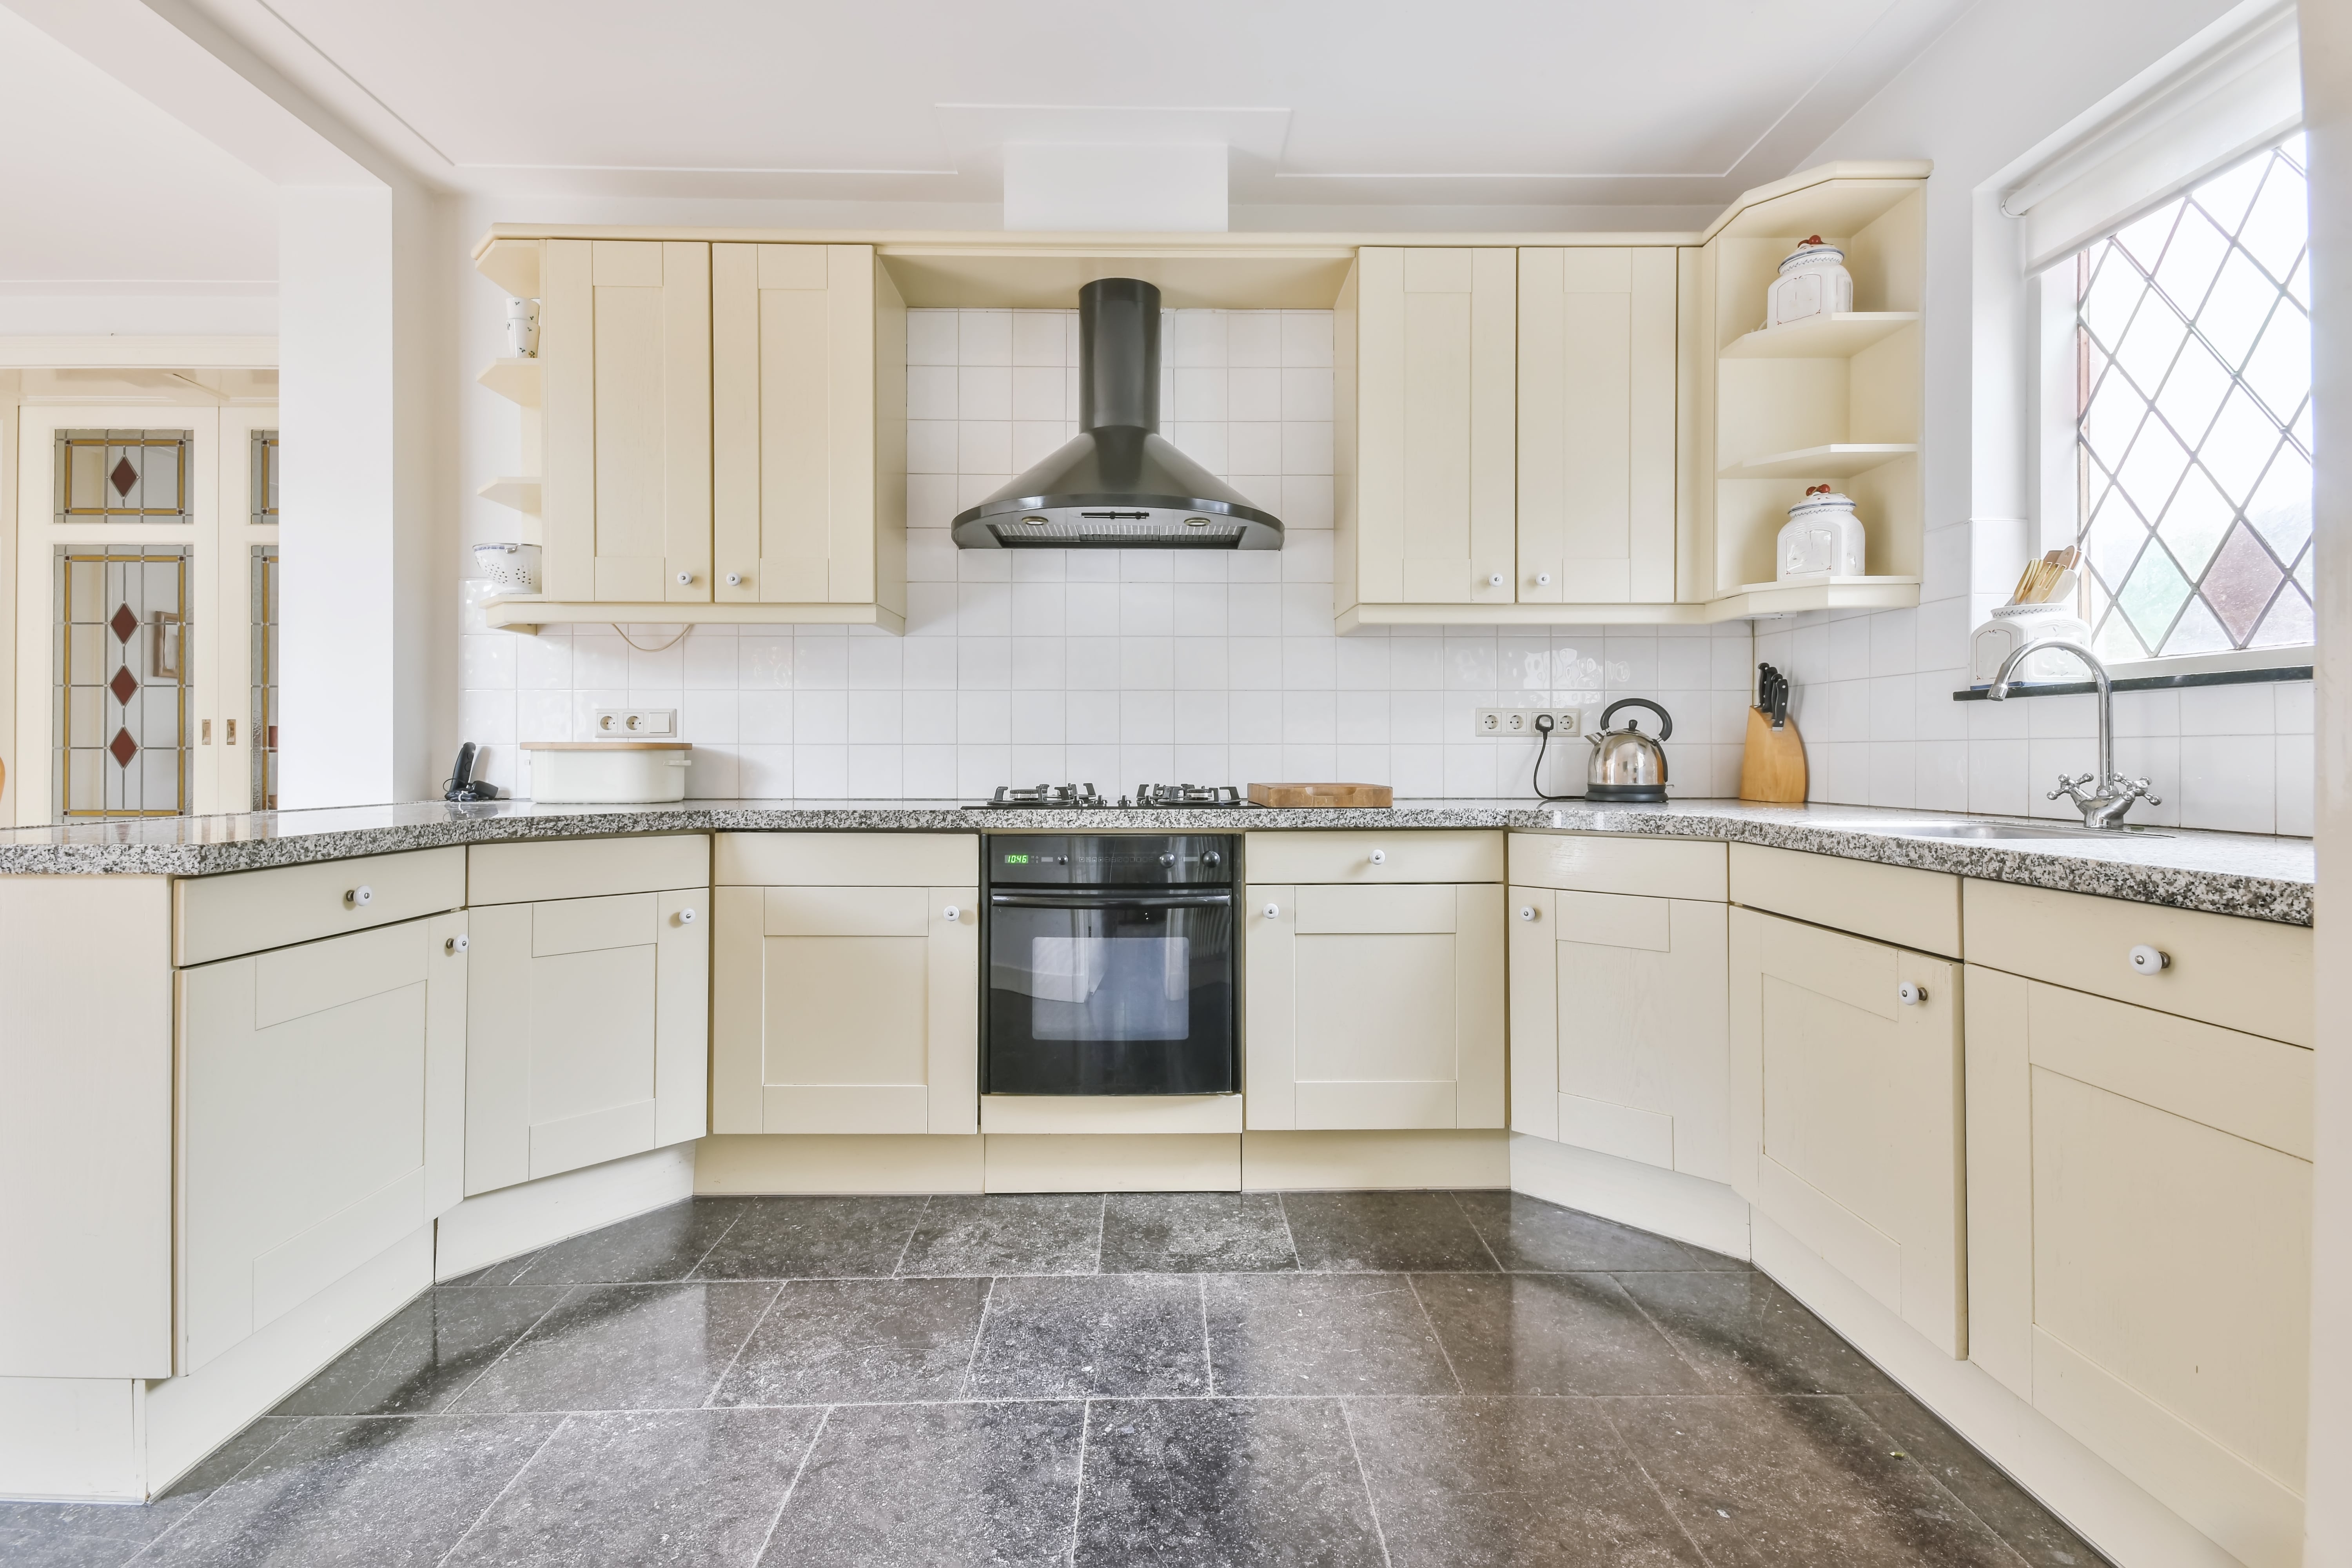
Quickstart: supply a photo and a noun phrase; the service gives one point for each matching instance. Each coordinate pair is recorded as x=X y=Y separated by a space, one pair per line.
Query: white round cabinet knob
x=1526 y=912
x=1493 y=579
x=1543 y=579
x=1912 y=993
x=2147 y=960
x=1379 y=857
x=359 y=897
x=454 y=945
x=734 y=579
x=1273 y=911
x=951 y=912
x=686 y=917
x=684 y=578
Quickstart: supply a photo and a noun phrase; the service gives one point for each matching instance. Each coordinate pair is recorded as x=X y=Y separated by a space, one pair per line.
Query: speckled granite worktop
x=2226 y=873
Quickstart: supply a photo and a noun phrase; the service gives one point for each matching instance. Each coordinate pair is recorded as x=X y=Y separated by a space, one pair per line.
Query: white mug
x=522 y=328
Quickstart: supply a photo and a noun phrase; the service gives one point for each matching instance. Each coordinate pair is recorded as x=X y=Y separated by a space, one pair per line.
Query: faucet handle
x=2071 y=787
x=2138 y=789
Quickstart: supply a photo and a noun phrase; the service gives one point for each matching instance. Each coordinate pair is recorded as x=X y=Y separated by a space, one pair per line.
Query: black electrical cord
x=1545 y=725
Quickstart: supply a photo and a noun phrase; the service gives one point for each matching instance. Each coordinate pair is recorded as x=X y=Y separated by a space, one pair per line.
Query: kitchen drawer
x=1649 y=868
x=847 y=859
x=1918 y=910
x=247 y=912
x=2245 y=974
x=1376 y=855
x=585 y=868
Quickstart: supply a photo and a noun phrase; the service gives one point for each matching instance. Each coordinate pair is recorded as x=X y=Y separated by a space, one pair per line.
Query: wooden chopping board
x=1358 y=796
x=1772 y=768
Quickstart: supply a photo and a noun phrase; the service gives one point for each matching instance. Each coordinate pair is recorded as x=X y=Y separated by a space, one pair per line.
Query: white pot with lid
x=1822 y=536
x=1813 y=281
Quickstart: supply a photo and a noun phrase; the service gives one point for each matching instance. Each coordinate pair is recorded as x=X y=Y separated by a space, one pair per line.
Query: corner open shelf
x=1839 y=336
x=1837 y=460
x=1833 y=593
x=516 y=380
x=519 y=491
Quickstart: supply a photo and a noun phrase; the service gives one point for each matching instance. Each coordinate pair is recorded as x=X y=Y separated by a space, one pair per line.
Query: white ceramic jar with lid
x=1813 y=281
x=1822 y=536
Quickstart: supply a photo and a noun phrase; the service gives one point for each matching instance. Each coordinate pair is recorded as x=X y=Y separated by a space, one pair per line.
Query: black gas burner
x=1084 y=797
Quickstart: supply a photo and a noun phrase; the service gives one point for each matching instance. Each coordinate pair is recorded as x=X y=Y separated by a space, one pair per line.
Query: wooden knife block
x=1772 y=768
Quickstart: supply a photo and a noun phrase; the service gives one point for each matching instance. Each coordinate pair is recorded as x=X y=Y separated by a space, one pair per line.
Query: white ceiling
x=1481 y=102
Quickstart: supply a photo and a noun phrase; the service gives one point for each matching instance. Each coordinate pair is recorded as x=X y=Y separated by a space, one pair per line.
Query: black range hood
x=1120 y=485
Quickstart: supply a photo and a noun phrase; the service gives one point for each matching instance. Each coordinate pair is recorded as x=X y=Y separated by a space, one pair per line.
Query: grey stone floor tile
x=1530 y=1235
x=664 y=1243
x=1132 y=1334
x=1008 y=1233
x=1208 y=1482
x=1798 y=1480
x=1405 y=1232
x=624 y=1347
x=1195 y=1232
x=2008 y=1509
x=886 y=1486
x=814 y=1239
x=1470 y=1483
x=1321 y=1333
x=504 y=1271
x=828 y=1341
x=1552 y=1333
x=369 y=1492
x=427 y=1354
x=638 y=1488
x=1751 y=1336
x=101 y=1535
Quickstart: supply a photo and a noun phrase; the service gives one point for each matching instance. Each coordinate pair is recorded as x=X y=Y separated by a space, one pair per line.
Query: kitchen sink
x=1992 y=830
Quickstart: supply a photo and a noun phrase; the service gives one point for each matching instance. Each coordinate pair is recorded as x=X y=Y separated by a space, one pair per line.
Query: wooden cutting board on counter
x=1356 y=796
x=1772 y=768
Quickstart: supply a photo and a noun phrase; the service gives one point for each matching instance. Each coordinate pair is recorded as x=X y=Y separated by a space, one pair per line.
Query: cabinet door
x=585 y=1030
x=317 y=1122
x=847 y=1010
x=808 y=349
x=1596 y=411
x=1374 y=1006
x=1846 y=1109
x=2108 y=1143
x=626 y=330
x=1618 y=1026
x=1434 y=354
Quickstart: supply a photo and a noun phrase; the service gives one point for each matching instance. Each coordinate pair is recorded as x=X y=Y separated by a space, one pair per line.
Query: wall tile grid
x=1109 y=667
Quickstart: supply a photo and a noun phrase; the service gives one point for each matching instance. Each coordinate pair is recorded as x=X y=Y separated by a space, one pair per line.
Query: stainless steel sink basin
x=1992 y=830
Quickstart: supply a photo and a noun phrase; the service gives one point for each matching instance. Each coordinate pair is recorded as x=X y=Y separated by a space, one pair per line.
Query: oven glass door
x=1110 y=993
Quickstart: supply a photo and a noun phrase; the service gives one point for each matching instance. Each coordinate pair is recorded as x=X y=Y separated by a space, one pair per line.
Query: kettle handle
x=1665 y=720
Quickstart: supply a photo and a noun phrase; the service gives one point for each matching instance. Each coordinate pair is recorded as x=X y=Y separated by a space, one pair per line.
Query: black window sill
x=2141 y=683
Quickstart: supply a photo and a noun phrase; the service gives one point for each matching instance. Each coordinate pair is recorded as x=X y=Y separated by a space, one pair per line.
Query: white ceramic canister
x=1821 y=535
x=608 y=773
x=522 y=328
x=1813 y=281
x=2013 y=625
x=511 y=568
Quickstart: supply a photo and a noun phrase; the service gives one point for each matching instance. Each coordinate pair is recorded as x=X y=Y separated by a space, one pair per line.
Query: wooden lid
x=608 y=745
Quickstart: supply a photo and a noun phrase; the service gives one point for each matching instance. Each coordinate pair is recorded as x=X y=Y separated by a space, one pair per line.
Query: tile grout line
x=1898 y=1445
x=1659 y=1329
x=1364 y=1478
x=715 y=1242
x=1472 y=1220
x=794 y=1485
x=1102 y=1224
x=1656 y=1490
x=977 y=1334
x=268 y=1449
x=720 y=1381
x=1079 y=1493
x=1207 y=1351
x=912 y=1231
x=491 y=1365
x=493 y=1503
x=1450 y=1368
x=1283 y=1206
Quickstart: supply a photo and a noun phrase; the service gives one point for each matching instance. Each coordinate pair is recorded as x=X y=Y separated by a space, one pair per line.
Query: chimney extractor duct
x=1120 y=485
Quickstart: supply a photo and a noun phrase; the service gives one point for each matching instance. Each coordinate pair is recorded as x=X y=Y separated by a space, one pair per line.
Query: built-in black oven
x=1111 y=964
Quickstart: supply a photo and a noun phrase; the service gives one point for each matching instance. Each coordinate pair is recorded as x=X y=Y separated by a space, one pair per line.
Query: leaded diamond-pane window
x=2192 y=349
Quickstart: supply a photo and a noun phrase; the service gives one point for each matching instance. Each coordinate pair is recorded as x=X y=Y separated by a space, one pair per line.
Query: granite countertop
x=2223 y=873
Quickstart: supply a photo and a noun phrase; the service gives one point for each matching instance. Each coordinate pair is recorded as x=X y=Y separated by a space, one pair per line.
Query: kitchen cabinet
x=2140 y=1194
x=1845 y=1081
x=588 y=1013
x=847 y=983
x=1371 y=1001
x=1597 y=517
x=319 y=1117
x=1618 y=997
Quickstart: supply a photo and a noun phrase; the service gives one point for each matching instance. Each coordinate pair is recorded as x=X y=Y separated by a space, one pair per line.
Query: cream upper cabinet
x=587 y=1019
x=1596 y=426
x=847 y=983
x=1617 y=998
x=1424 y=346
x=809 y=455
x=626 y=365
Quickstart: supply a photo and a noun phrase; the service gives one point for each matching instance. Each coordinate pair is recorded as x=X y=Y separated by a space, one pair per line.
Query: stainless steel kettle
x=1628 y=767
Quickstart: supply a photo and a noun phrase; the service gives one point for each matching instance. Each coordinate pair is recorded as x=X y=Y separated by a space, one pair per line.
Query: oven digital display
x=1016 y=859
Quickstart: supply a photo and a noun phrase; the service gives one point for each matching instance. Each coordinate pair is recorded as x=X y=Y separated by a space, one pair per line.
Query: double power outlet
x=634 y=723
x=1507 y=723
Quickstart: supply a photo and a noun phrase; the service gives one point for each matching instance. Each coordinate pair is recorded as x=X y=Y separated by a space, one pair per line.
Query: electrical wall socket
x=634 y=723
x=1508 y=723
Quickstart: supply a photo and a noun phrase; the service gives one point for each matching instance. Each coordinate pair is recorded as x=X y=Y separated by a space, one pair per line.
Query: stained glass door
x=120 y=714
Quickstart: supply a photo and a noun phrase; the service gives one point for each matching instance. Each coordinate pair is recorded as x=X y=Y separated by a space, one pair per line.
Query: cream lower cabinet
x=847 y=983
x=587 y=1019
x=1372 y=999
x=1846 y=1124
x=1617 y=997
x=319 y=1120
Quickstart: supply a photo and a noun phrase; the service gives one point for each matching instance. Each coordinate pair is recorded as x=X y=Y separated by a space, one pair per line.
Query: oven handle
x=1108 y=900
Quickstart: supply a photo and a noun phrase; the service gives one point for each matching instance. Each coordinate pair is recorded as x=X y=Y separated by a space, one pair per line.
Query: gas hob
x=1085 y=797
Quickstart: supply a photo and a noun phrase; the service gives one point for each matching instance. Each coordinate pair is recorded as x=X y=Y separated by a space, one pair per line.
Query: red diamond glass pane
x=123 y=684
x=123 y=624
x=123 y=748
x=124 y=475
x=2240 y=582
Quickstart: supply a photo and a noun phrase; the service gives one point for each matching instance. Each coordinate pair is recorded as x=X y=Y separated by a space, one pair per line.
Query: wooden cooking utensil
x=1359 y=796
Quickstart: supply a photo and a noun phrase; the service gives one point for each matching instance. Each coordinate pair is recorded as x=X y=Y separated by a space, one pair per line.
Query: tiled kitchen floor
x=1305 y=1378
